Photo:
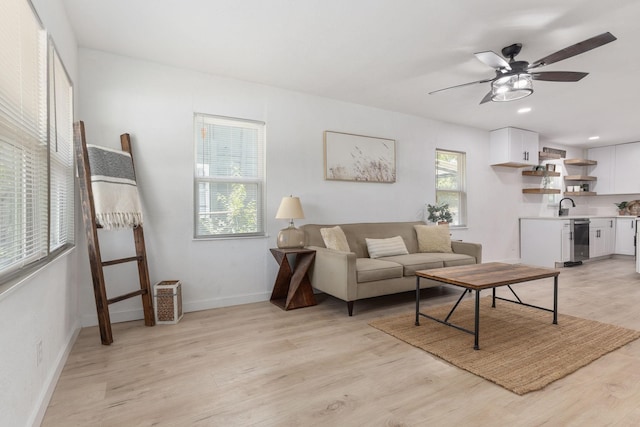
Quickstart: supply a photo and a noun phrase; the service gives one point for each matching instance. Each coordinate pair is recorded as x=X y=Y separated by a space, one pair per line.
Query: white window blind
x=61 y=230
x=25 y=197
x=229 y=176
x=451 y=184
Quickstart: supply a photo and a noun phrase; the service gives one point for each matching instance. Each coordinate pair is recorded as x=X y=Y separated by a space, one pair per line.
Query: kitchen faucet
x=560 y=205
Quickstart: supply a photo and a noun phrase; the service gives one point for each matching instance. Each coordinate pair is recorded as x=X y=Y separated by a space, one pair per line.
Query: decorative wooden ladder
x=95 y=259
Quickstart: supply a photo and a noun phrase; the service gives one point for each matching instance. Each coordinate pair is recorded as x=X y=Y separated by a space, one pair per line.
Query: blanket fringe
x=116 y=220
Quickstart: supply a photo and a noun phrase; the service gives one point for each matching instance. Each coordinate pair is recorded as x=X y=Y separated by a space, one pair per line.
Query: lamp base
x=290 y=238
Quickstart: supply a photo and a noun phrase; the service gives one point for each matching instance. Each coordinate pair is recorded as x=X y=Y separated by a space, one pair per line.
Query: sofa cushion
x=433 y=238
x=386 y=247
x=414 y=262
x=454 y=260
x=334 y=238
x=369 y=270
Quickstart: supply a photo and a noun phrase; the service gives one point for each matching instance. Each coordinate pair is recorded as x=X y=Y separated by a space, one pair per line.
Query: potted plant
x=622 y=207
x=439 y=213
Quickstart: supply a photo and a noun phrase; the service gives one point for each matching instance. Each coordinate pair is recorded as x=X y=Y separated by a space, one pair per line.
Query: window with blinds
x=229 y=177
x=36 y=166
x=451 y=184
x=61 y=166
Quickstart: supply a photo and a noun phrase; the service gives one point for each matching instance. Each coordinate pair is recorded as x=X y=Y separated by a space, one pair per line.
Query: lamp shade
x=290 y=208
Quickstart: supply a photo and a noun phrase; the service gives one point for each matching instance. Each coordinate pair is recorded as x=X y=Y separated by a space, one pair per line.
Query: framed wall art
x=349 y=157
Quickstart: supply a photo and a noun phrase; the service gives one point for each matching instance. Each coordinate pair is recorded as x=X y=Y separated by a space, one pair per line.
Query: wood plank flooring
x=256 y=365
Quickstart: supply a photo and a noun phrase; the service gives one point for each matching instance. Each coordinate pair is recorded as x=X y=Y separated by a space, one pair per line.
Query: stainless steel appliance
x=580 y=247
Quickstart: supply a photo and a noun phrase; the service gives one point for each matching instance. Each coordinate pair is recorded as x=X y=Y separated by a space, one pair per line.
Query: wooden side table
x=292 y=288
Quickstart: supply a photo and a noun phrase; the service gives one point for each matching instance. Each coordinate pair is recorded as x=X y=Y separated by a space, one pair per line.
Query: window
x=229 y=177
x=61 y=166
x=36 y=164
x=451 y=184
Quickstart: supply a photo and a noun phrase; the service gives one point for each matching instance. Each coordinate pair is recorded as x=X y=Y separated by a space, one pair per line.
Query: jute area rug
x=520 y=349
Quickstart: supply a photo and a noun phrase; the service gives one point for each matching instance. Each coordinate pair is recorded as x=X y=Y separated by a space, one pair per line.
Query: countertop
x=578 y=217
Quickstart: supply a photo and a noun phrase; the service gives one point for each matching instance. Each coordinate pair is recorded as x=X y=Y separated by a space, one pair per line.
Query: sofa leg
x=350 y=307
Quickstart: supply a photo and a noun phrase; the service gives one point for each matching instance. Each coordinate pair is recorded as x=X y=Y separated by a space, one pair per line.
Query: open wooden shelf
x=540 y=173
x=540 y=191
x=580 y=162
x=579 y=178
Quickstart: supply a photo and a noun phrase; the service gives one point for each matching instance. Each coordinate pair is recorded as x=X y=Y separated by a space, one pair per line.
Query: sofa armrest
x=334 y=272
x=468 y=248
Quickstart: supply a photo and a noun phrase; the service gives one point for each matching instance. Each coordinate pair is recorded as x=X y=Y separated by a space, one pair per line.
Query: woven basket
x=168 y=304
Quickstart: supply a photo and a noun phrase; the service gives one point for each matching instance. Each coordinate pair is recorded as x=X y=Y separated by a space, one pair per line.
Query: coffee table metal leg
x=477 y=328
x=417 y=300
x=493 y=299
x=555 y=300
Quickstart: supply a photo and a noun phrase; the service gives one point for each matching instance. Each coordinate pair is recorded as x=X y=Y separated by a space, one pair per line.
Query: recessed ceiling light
x=593 y=138
x=524 y=110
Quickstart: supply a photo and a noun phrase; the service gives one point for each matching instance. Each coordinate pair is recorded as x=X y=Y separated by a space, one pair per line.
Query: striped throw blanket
x=115 y=194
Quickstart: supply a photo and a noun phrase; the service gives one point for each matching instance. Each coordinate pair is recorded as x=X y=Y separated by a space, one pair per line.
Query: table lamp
x=290 y=237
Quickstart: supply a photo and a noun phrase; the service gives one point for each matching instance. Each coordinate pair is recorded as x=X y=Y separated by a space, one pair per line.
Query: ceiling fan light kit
x=510 y=88
x=514 y=79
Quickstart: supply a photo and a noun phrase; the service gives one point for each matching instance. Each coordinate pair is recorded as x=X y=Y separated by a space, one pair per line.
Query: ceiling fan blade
x=462 y=85
x=493 y=60
x=486 y=98
x=559 y=76
x=575 y=49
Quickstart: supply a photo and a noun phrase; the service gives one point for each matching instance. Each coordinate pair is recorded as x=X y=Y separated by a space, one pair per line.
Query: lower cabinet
x=602 y=237
x=566 y=241
x=544 y=242
x=637 y=252
x=625 y=236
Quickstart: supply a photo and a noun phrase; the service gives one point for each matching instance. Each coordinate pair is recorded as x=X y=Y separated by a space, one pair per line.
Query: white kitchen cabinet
x=513 y=147
x=566 y=241
x=603 y=170
x=625 y=236
x=544 y=242
x=626 y=171
x=637 y=254
x=601 y=237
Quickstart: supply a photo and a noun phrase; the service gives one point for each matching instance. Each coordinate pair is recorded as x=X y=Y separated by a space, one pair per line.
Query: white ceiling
x=391 y=53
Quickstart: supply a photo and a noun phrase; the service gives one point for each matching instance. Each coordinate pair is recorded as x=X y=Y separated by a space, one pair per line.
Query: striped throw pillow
x=386 y=247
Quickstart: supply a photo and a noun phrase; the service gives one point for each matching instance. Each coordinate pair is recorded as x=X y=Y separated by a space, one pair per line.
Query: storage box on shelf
x=543 y=155
x=575 y=180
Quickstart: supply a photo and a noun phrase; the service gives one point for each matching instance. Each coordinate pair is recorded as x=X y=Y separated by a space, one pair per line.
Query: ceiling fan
x=513 y=79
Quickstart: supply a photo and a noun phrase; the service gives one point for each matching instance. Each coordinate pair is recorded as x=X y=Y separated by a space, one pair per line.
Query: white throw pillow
x=433 y=238
x=386 y=247
x=334 y=238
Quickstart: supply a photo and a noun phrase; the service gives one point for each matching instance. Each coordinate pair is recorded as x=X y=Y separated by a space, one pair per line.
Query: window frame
x=19 y=265
x=258 y=180
x=459 y=218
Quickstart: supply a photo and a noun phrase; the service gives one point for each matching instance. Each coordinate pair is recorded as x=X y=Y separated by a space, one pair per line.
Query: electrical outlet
x=38 y=352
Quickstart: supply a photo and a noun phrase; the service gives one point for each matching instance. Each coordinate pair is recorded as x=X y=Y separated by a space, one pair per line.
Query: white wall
x=43 y=307
x=155 y=104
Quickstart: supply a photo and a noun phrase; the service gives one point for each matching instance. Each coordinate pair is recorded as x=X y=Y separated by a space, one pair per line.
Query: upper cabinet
x=513 y=147
x=617 y=169
x=603 y=169
x=626 y=174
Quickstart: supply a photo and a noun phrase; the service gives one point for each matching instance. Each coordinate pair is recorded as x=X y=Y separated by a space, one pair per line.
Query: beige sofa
x=353 y=275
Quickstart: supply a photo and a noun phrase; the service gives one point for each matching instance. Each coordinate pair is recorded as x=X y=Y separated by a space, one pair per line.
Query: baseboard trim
x=137 y=314
x=50 y=385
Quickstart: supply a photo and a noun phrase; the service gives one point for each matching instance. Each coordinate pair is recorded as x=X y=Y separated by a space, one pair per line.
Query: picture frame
x=360 y=158
x=551 y=167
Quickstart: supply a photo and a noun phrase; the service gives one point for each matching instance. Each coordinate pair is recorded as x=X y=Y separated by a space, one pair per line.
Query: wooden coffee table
x=486 y=276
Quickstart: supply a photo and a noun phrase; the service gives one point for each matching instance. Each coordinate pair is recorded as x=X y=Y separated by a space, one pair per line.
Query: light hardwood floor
x=256 y=365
